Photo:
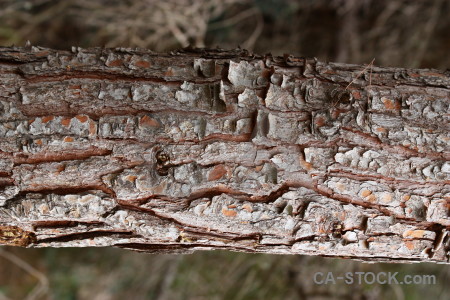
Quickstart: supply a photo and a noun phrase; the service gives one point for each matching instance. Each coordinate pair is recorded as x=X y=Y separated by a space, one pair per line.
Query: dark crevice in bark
x=22 y=158
x=178 y=247
x=105 y=77
x=64 y=223
x=86 y=235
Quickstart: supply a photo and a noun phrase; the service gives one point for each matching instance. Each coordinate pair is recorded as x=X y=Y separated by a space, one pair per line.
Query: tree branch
x=212 y=149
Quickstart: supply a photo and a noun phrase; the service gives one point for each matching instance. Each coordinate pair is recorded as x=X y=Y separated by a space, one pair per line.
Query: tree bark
x=212 y=149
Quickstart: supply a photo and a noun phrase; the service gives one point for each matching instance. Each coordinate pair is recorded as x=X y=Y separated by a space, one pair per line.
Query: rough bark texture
x=212 y=149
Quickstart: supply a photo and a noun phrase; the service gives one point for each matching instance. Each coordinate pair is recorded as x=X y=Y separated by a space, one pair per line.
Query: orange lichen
x=306 y=165
x=131 y=178
x=92 y=128
x=66 y=121
x=247 y=207
x=356 y=95
x=60 y=168
x=340 y=186
x=142 y=64
x=47 y=119
x=68 y=139
x=229 y=212
x=388 y=103
x=320 y=121
x=414 y=234
x=217 y=173
x=38 y=142
x=387 y=197
x=321 y=229
x=258 y=168
x=115 y=63
x=148 y=122
x=406 y=197
x=371 y=198
x=409 y=245
x=366 y=193
x=391 y=104
x=82 y=118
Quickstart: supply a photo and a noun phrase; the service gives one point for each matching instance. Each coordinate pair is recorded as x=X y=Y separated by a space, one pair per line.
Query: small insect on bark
x=162 y=160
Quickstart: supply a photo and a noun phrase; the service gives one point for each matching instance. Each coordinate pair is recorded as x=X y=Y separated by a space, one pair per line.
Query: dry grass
x=395 y=32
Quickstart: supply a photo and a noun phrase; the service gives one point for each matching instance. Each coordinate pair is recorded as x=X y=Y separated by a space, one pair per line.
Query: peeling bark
x=212 y=149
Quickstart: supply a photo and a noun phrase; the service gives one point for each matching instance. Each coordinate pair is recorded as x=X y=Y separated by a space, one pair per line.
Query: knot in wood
x=162 y=159
x=341 y=97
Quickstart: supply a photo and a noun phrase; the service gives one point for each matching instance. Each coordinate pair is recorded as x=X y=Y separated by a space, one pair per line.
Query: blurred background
x=395 y=32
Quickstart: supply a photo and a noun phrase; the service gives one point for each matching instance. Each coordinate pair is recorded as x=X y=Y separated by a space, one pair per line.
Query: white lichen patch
x=355 y=218
x=386 y=121
x=438 y=212
x=288 y=161
x=8 y=193
x=117 y=127
x=245 y=74
x=9 y=111
x=248 y=98
x=221 y=152
x=144 y=92
x=319 y=158
x=189 y=94
x=11 y=129
x=67 y=174
x=350 y=236
x=81 y=125
x=281 y=99
x=379 y=225
x=283 y=127
x=6 y=165
x=73 y=207
x=115 y=92
x=389 y=165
